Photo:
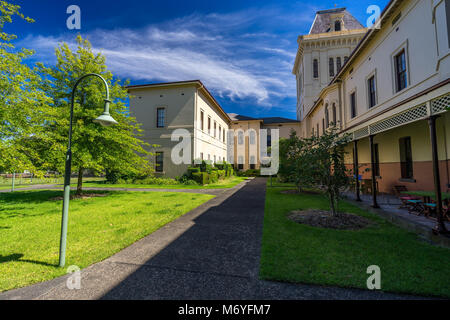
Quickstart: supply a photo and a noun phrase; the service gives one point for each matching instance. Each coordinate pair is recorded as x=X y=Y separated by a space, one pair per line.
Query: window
x=223 y=136
x=202 y=120
x=159 y=162
x=209 y=125
x=252 y=137
x=269 y=138
x=345 y=59
x=241 y=163
x=315 y=68
x=406 y=161
x=331 y=67
x=161 y=117
x=338 y=63
x=240 y=138
x=353 y=104
x=215 y=159
x=337 y=25
x=317 y=131
x=252 y=162
x=400 y=71
x=327 y=117
x=377 y=160
x=372 y=91
x=312 y=132
x=323 y=126
x=215 y=129
x=201 y=156
x=334 y=114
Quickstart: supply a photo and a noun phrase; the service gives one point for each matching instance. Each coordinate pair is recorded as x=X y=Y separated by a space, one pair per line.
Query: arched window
x=334 y=114
x=252 y=137
x=337 y=25
x=338 y=63
x=327 y=118
x=331 y=67
x=316 y=68
x=240 y=138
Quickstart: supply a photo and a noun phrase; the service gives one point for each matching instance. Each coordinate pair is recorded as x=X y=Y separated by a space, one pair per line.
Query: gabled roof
x=324 y=19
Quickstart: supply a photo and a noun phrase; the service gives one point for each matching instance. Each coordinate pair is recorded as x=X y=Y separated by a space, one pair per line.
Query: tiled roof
x=272 y=120
x=269 y=120
x=323 y=21
x=239 y=117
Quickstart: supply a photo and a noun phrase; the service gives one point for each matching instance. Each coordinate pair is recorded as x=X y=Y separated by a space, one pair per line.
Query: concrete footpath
x=212 y=252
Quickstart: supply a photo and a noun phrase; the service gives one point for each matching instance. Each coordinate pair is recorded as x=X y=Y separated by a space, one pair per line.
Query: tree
x=22 y=103
x=327 y=165
x=118 y=148
x=295 y=161
x=316 y=162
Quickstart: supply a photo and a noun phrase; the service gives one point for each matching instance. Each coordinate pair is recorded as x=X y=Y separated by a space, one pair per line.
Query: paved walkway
x=212 y=252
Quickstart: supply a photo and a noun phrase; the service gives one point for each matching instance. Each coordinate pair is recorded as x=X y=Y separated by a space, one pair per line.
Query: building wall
x=424 y=38
x=183 y=104
x=179 y=104
x=389 y=156
x=212 y=147
x=413 y=32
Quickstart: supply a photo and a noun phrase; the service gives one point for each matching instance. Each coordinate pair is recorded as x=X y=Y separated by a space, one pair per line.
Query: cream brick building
x=390 y=95
x=165 y=107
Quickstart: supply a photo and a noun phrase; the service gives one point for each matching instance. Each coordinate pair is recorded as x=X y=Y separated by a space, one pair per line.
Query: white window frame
x=403 y=46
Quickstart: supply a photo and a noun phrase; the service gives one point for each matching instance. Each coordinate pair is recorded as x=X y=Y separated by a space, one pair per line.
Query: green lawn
x=223 y=184
x=298 y=253
x=98 y=227
x=6 y=184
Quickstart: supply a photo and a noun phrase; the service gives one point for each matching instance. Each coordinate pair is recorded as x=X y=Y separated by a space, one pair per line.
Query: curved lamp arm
x=107 y=101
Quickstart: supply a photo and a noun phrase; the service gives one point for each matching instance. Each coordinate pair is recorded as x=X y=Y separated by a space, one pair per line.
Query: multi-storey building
x=391 y=97
x=164 y=108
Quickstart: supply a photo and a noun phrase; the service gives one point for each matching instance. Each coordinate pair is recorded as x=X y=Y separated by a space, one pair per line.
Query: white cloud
x=215 y=48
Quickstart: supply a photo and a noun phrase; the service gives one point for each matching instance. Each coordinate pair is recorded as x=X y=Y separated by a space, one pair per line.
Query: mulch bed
x=82 y=196
x=324 y=219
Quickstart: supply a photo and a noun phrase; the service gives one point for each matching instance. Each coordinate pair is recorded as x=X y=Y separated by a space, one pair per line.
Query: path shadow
x=17 y=257
x=217 y=257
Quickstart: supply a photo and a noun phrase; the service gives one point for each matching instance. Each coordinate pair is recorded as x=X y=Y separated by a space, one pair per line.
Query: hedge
x=201 y=178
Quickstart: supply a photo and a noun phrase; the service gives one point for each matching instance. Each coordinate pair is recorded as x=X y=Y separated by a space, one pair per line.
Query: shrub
x=214 y=177
x=192 y=170
x=201 y=178
x=222 y=174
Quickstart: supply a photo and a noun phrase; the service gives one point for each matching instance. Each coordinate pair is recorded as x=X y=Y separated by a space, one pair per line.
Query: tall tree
x=328 y=171
x=118 y=148
x=22 y=104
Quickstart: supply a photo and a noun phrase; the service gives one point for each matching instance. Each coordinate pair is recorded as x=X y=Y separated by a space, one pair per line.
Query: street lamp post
x=105 y=120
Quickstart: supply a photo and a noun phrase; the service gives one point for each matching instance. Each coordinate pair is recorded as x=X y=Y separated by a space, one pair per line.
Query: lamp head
x=105 y=119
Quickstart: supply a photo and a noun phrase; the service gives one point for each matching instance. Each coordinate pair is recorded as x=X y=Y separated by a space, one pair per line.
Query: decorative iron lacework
x=440 y=105
x=408 y=116
x=414 y=114
x=361 y=133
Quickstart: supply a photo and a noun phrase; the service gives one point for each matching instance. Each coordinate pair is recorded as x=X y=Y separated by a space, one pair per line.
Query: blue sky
x=243 y=51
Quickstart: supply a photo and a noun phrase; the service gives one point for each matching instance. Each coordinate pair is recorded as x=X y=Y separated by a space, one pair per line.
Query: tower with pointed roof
x=334 y=34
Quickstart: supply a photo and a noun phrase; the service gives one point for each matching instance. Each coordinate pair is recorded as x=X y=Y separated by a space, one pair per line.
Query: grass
x=6 y=183
x=298 y=253
x=223 y=184
x=98 y=228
